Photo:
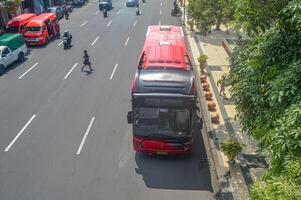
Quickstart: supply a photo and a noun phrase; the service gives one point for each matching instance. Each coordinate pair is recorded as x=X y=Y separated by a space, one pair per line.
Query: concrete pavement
x=87 y=111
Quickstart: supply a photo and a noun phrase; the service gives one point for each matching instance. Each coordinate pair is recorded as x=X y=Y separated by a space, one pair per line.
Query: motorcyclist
x=137 y=9
x=68 y=37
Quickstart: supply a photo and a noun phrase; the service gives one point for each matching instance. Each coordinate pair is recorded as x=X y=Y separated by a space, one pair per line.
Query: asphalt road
x=63 y=132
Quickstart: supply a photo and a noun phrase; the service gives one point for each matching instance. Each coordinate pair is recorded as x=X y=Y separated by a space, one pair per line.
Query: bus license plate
x=162 y=153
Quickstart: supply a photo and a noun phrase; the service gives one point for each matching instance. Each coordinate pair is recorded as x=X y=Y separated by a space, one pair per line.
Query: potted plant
x=231 y=148
x=202 y=59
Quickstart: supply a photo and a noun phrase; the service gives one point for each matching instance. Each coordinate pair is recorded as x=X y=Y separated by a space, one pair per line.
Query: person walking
x=86 y=61
x=222 y=84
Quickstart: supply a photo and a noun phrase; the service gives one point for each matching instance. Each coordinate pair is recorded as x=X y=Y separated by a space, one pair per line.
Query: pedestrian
x=86 y=61
x=222 y=84
x=66 y=13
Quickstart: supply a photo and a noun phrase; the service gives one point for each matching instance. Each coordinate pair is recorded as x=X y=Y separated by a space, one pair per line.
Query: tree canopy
x=265 y=77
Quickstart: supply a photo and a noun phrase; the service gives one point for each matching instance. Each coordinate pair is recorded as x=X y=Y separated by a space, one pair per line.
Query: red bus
x=163 y=96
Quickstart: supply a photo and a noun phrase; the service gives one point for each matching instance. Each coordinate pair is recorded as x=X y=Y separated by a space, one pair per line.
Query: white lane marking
x=60 y=43
x=159 y=22
x=95 y=41
x=118 y=12
x=160 y=12
x=126 y=42
x=97 y=12
x=135 y=23
x=22 y=130
x=83 y=24
x=116 y=65
x=70 y=70
x=109 y=23
x=85 y=136
x=28 y=70
x=161 y=3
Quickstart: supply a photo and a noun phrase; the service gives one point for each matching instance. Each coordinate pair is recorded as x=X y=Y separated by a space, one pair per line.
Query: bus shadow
x=177 y=173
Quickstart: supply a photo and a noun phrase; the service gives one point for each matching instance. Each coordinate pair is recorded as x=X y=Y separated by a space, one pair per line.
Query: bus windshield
x=169 y=122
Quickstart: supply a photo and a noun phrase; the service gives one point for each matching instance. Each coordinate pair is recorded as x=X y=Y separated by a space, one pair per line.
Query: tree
x=11 y=5
x=207 y=13
x=256 y=16
x=265 y=79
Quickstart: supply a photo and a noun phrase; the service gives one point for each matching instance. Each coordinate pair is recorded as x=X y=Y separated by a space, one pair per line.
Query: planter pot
x=203 y=78
x=211 y=105
x=208 y=95
x=205 y=86
x=214 y=118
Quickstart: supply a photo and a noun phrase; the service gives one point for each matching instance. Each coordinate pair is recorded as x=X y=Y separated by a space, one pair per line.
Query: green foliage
x=207 y=13
x=256 y=16
x=265 y=79
x=231 y=148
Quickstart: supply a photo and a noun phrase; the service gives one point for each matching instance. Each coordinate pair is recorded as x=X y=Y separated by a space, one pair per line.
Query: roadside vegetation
x=265 y=79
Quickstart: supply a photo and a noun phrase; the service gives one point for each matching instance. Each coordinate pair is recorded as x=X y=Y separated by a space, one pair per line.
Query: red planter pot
x=203 y=78
x=215 y=118
x=205 y=86
x=208 y=95
x=211 y=105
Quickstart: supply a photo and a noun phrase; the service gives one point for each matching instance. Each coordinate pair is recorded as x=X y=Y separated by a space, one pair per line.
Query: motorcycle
x=137 y=11
x=143 y=1
x=105 y=13
x=67 y=40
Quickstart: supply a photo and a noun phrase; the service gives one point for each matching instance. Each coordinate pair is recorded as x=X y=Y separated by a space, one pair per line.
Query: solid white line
x=60 y=43
x=118 y=12
x=109 y=23
x=97 y=12
x=28 y=70
x=159 y=22
x=22 y=130
x=95 y=41
x=83 y=24
x=85 y=136
x=160 y=12
x=113 y=71
x=70 y=70
x=135 y=23
x=126 y=42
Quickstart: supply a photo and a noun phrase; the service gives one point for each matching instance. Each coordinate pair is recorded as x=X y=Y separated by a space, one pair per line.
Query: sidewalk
x=249 y=166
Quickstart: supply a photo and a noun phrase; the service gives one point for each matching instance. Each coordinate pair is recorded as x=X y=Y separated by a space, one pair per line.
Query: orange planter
x=203 y=78
x=211 y=105
x=208 y=95
x=215 y=118
x=205 y=86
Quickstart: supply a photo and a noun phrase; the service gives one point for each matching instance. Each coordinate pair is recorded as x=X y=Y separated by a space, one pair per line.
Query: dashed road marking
x=116 y=65
x=160 y=12
x=83 y=24
x=85 y=136
x=95 y=41
x=18 y=135
x=59 y=44
x=70 y=70
x=159 y=22
x=28 y=70
x=109 y=23
x=118 y=12
x=135 y=23
x=126 y=42
x=97 y=12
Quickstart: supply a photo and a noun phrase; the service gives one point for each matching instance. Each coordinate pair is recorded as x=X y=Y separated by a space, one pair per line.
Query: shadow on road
x=177 y=173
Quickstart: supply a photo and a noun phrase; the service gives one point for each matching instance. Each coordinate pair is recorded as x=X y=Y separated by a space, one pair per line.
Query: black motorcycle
x=67 y=37
x=105 y=13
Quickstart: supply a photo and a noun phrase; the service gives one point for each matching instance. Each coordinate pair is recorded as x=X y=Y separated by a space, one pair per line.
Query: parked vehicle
x=12 y=48
x=105 y=4
x=40 y=29
x=17 y=24
x=57 y=10
x=78 y=3
x=132 y=3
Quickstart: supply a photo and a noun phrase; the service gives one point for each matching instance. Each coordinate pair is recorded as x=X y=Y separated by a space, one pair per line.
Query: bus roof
x=165 y=47
x=38 y=20
x=164 y=81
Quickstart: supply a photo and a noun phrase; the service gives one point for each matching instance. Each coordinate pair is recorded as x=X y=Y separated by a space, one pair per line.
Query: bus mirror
x=130 y=117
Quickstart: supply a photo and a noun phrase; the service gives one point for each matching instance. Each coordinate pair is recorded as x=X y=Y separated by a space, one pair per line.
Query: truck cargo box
x=13 y=41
